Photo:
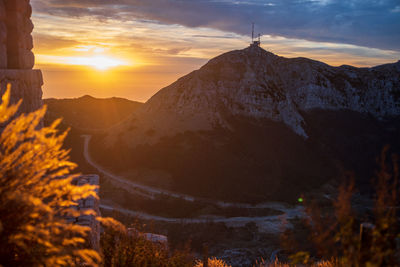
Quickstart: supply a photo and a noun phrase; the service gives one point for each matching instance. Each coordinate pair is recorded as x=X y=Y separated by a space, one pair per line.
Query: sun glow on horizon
x=98 y=62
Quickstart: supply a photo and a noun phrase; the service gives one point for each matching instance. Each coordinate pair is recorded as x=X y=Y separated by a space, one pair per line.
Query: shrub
x=277 y=263
x=123 y=248
x=36 y=194
x=212 y=262
x=341 y=236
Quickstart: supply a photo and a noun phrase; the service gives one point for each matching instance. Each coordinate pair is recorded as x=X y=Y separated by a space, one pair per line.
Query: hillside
x=87 y=112
x=85 y=115
x=252 y=126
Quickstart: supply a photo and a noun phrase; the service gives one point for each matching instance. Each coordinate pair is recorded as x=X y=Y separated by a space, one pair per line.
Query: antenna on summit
x=252 y=32
x=253 y=42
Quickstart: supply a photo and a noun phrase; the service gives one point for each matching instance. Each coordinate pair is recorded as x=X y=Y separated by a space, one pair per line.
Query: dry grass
x=212 y=262
x=121 y=248
x=36 y=194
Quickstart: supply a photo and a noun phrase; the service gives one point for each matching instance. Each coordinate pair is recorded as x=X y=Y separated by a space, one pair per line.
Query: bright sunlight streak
x=98 y=62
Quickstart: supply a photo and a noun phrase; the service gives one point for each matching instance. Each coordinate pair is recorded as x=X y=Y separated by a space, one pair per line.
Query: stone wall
x=16 y=57
x=26 y=85
x=89 y=203
x=3 y=36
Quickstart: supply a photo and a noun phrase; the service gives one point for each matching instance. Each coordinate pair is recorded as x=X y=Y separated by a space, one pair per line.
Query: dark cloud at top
x=371 y=23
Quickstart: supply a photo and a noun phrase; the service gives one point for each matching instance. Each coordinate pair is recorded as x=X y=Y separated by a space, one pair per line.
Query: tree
x=37 y=194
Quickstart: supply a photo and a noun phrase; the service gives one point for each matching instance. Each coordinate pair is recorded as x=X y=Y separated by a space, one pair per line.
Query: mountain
x=250 y=125
x=85 y=115
x=87 y=112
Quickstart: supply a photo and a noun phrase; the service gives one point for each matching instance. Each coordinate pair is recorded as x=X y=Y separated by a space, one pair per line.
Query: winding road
x=147 y=191
x=271 y=223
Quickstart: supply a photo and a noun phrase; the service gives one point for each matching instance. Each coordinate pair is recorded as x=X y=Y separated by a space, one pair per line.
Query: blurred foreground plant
x=331 y=263
x=357 y=240
x=121 y=247
x=212 y=262
x=36 y=194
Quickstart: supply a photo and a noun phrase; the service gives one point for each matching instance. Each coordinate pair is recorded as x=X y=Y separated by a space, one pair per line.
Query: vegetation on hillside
x=36 y=194
x=90 y=113
x=122 y=247
x=353 y=239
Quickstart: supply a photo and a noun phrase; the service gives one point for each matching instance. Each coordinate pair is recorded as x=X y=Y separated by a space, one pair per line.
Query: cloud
x=396 y=9
x=371 y=23
x=47 y=42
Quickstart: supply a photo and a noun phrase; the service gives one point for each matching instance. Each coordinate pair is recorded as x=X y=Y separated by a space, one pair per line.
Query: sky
x=133 y=48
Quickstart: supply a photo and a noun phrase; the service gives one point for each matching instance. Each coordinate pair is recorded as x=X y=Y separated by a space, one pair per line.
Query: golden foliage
x=123 y=248
x=36 y=194
x=213 y=262
x=332 y=263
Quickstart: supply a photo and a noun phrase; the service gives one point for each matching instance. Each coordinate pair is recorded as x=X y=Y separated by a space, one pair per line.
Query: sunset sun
x=97 y=62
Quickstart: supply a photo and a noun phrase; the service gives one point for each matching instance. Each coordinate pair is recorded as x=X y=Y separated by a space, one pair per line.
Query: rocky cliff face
x=257 y=84
x=251 y=121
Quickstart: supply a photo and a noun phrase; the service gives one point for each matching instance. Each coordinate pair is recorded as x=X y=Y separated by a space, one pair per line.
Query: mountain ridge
x=250 y=125
x=90 y=112
x=255 y=83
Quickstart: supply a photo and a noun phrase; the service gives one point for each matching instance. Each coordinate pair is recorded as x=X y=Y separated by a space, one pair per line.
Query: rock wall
x=3 y=36
x=25 y=85
x=16 y=57
x=89 y=203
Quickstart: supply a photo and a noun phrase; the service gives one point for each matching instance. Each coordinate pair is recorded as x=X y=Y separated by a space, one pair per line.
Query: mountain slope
x=253 y=125
x=85 y=115
x=88 y=112
x=258 y=84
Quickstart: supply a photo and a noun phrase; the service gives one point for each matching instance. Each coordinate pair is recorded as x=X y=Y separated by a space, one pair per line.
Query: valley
x=229 y=165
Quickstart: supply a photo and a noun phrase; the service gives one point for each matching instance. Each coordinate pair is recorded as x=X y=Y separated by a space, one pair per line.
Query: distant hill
x=87 y=112
x=85 y=115
x=251 y=125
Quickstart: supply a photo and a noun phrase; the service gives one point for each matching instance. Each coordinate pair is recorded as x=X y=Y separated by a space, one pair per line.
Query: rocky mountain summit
x=258 y=84
x=255 y=119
